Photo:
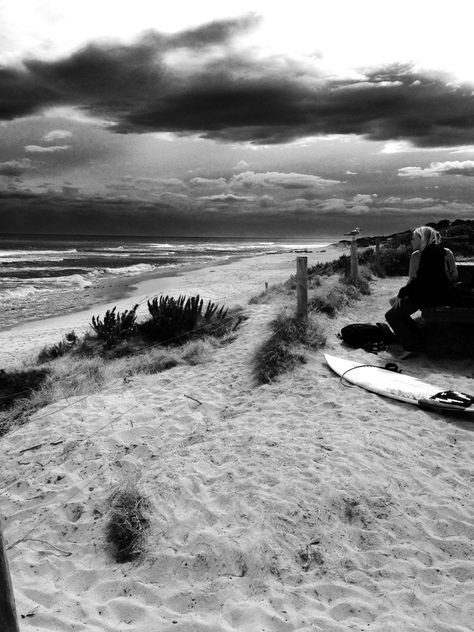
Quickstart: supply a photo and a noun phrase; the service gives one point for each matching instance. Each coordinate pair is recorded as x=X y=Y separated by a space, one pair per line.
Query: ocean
x=45 y=275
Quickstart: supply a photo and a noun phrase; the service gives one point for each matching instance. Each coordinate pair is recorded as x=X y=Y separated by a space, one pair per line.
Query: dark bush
x=58 y=350
x=16 y=385
x=115 y=326
x=176 y=320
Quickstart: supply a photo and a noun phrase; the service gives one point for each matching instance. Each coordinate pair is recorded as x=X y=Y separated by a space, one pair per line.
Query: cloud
x=417 y=202
x=448 y=168
x=14 y=168
x=211 y=182
x=358 y=209
x=193 y=83
x=68 y=190
x=333 y=204
x=240 y=166
x=364 y=198
x=56 y=134
x=228 y=198
x=266 y=201
x=50 y=149
x=248 y=179
x=358 y=205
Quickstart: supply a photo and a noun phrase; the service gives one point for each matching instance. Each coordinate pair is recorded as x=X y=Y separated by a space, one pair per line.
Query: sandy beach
x=300 y=506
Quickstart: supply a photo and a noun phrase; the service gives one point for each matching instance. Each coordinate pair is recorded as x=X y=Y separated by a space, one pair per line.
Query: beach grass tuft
x=19 y=384
x=128 y=523
x=330 y=299
x=284 y=349
x=173 y=321
x=58 y=350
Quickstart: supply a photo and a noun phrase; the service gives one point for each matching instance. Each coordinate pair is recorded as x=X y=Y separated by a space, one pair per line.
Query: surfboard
x=404 y=388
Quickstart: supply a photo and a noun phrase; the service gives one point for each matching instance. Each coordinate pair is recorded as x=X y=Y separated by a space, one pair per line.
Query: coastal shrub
x=340 y=265
x=283 y=349
x=335 y=297
x=331 y=302
x=361 y=285
x=393 y=261
x=115 y=326
x=58 y=350
x=128 y=523
x=20 y=384
x=175 y=320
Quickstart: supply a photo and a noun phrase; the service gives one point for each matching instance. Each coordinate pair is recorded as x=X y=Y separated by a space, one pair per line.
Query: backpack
x=366 y=336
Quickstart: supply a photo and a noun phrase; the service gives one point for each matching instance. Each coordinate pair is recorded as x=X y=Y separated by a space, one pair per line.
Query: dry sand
x=299 y=506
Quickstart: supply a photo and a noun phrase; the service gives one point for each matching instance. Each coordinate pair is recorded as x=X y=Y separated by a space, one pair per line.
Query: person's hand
x=395 y=302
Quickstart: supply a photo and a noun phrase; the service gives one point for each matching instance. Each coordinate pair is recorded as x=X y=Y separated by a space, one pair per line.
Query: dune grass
x=82 y=366
x=284 y=349
x=128 y=523
x=329 y=299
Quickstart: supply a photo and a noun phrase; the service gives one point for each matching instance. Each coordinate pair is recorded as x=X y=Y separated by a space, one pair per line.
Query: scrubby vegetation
x=128 y=524
x=177 y=320
x=16 y=385
x=395 y=250
x=284 y=349
x=181 y=331
x=115 y=326
x=340 y=265
x=172 y=322
x=59 y=349
x=332 y=297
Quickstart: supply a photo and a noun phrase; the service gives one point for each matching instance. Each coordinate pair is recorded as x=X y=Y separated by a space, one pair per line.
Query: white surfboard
x=390 y=384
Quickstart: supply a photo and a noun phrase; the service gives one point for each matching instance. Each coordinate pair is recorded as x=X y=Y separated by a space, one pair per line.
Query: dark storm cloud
x=218 y=32
x=219 y=94
x=14 y=168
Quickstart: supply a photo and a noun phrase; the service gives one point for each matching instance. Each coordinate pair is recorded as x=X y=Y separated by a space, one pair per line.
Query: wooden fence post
x=302 y=288
x=8 y=620
x=354 y=261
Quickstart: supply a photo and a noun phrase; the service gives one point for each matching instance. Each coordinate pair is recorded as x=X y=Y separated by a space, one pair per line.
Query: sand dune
x=303 y=505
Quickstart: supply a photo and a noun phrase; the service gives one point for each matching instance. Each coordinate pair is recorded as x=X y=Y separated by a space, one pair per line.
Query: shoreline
x=219 y=281
x=119 y=289
x=113 y=289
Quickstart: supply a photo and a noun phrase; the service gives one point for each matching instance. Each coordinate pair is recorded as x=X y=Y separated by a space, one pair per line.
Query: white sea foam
x=136 y=269
x=17 y=293
x=33 y=254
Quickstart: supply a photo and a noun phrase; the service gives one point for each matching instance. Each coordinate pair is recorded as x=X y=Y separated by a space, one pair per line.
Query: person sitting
x=432 y=273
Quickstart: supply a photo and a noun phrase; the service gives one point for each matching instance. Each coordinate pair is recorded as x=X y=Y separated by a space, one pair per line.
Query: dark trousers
x=406 y=331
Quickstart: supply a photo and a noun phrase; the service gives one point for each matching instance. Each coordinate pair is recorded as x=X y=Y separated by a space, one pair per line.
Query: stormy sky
x=234 y=118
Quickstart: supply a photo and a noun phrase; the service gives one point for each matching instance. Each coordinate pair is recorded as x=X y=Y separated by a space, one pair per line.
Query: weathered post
x=354 y=261
x=266 y=286
x=8 y=620
x=302 y=288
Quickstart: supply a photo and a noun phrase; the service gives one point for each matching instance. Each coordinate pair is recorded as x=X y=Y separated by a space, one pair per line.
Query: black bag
x=367 y=336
